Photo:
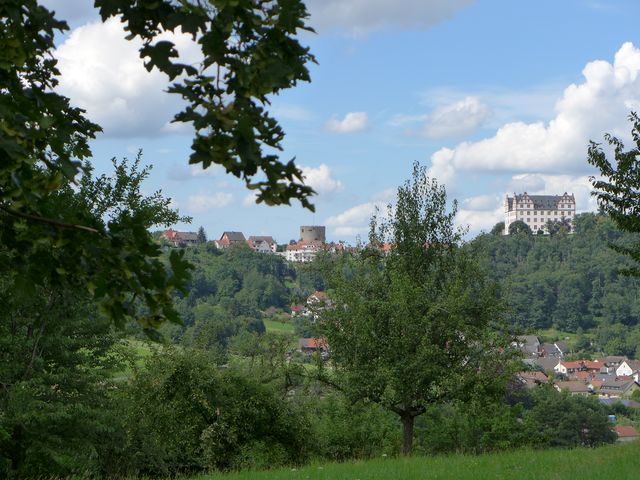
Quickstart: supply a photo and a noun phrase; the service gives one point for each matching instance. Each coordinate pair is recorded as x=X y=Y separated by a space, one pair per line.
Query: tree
x=250 y=52
x=618 y=191
x=58 y=351
x=518 y=227
x=413 y=328
x=202 y=236
x=498 y=229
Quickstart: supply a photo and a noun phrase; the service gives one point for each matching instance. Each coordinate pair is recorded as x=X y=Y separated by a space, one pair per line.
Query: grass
x=615 y=462
x=278 y=327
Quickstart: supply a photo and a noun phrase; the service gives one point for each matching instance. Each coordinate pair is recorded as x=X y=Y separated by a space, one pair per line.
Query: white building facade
x=537 y=210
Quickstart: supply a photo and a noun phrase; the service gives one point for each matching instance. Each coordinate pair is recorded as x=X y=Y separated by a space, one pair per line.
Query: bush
x=186 y=415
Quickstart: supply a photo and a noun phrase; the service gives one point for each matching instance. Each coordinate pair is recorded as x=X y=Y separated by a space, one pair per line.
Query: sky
x=495 y=97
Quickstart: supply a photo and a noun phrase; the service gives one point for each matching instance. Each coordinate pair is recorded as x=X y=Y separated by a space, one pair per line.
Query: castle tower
x=313 y=233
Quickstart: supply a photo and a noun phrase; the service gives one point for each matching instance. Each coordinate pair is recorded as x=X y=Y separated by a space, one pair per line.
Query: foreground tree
x=249 y=51
x=58 y=350
x=618 y=189
x=416 y=327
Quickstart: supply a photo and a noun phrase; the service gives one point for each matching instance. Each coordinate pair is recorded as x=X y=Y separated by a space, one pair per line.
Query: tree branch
x=48 y=221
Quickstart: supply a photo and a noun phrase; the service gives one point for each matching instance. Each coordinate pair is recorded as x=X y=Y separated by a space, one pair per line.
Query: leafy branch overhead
x=249 y=52
x=618 y=189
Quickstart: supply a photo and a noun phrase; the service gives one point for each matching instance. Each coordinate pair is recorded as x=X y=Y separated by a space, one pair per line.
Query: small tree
x=412 y=328
x=498 y=229
x=519 y=227
x=618 y=192
x=202 y=236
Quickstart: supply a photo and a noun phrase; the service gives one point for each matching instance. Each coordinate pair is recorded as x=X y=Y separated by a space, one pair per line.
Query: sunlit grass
x=616 y=462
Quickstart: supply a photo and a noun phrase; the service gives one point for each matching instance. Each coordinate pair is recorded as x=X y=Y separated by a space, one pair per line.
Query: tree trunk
x=407 y=434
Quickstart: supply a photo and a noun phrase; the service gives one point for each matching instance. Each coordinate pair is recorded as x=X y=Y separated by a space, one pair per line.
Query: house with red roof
x=626 y=433
x=230 y=239
x=312 y=345
x=262 y=244
x=179 y=239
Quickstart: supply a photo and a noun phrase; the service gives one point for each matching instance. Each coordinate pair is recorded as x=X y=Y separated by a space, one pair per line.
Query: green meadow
x=615 y=462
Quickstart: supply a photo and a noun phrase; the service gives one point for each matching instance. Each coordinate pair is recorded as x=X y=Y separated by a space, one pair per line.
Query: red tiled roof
x=534 y=376
x=319 y=296
x=624 y=431
x=315 y=343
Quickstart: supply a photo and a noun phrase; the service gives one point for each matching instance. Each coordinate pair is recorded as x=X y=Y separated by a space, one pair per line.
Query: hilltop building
x=229 y=239
x=316 y=233
x=262 y=244
x=537 y=210
x=179 y=239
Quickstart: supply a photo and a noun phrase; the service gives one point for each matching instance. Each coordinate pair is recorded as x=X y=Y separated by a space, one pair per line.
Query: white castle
x=537 y=210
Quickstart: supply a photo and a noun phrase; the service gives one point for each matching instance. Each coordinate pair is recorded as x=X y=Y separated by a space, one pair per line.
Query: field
x=616 y=462
x=278 y=327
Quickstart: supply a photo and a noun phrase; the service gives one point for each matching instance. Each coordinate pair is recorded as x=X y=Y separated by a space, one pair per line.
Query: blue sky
x=494 y=96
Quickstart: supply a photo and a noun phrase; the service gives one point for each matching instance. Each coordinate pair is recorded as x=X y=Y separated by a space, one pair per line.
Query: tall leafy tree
x=250 y=52
x=618 y=188
x=415 y=327
x=57 y=354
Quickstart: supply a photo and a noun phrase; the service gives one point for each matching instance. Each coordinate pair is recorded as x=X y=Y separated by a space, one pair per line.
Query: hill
x=569 y=282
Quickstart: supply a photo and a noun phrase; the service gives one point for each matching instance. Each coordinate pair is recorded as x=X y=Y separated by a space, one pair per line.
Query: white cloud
x=585 y=111
x=250 y=199
x=352 y=122
x=355 y=220
x=102 y=73
x=203 y=202
x=457 y=119
x=320 y=179
x=481 y=202
x=291 y=112
x=360 y=16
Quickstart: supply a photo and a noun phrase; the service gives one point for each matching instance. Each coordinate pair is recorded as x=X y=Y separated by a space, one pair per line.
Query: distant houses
x=179 y=239
x=611 y=377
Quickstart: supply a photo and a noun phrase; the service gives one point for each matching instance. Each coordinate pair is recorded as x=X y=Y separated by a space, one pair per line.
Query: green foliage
x=56 y=358
x=415 y=327
x=561 y=420
x=250 y=52
x=343 y=430
x=618 y=189
x=186 y=415
x=519 y=227
x=498 y=229
x=112 y=256
x=568 y=282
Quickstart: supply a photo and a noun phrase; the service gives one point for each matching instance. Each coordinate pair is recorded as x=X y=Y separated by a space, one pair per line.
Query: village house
x=573 y=387
x=532 y=379
x=304 y=251
x=230 y=239
x=569 y=368
x=628 y=368
x=313 y=345
x=262 y=244
x=179 y=239
x=619 y=388
x=626 y=433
